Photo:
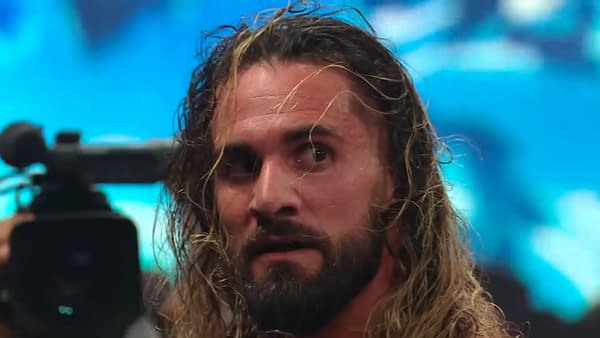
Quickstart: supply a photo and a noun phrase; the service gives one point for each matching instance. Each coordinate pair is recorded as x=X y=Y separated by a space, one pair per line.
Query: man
x=6 y=227
x=306 y=195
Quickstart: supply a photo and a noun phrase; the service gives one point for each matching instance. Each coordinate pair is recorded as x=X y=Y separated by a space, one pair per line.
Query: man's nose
x=275 y=192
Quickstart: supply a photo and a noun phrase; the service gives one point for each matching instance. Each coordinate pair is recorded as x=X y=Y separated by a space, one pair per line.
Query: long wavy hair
x=439 y=295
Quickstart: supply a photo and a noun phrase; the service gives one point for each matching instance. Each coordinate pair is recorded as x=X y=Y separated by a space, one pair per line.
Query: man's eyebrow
x=304 y=133
x=237 y=149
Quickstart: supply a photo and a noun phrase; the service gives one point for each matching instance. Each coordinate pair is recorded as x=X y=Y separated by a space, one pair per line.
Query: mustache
x=269 y=228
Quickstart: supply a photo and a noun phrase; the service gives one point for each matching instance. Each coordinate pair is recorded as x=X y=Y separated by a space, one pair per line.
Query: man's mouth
x=283 y=246
x=274 y=245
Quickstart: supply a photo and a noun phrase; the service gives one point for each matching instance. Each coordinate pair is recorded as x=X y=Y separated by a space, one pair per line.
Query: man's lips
x=280 y=244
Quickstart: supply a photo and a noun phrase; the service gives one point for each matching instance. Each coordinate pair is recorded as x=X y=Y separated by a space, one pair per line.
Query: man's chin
x=286 y=298
x=266 y=265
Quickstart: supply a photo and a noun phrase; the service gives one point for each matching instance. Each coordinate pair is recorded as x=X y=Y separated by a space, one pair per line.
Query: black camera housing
x=74 y=270
x=74 y=275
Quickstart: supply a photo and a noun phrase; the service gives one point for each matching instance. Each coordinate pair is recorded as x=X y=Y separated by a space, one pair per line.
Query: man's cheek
x=235 y=243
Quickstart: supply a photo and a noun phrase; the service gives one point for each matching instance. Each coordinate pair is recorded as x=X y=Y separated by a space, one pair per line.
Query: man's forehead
x=285 y=124
x=283 y=85
x=285 y=95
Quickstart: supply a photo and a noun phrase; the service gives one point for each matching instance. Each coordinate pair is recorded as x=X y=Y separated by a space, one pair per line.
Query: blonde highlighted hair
x=439 y=295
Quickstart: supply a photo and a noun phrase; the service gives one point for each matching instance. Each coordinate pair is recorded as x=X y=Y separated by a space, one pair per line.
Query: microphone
x=22 y=144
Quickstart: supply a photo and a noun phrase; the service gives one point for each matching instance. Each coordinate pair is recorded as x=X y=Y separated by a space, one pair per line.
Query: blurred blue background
x=512 y=85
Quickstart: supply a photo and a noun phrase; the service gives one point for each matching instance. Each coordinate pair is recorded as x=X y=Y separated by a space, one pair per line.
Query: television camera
x=74 y=270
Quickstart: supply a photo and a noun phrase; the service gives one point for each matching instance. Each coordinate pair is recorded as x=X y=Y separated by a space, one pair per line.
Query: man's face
x=299 y=190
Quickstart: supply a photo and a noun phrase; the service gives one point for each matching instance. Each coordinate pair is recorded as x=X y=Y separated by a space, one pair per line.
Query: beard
x=288 y=299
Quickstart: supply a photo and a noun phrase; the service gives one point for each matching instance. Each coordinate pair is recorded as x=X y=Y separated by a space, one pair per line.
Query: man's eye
x=313 y=155
x=240 y=168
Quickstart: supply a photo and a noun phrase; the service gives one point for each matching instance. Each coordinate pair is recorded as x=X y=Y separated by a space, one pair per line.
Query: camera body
x=74 y=270
x=74 y=275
